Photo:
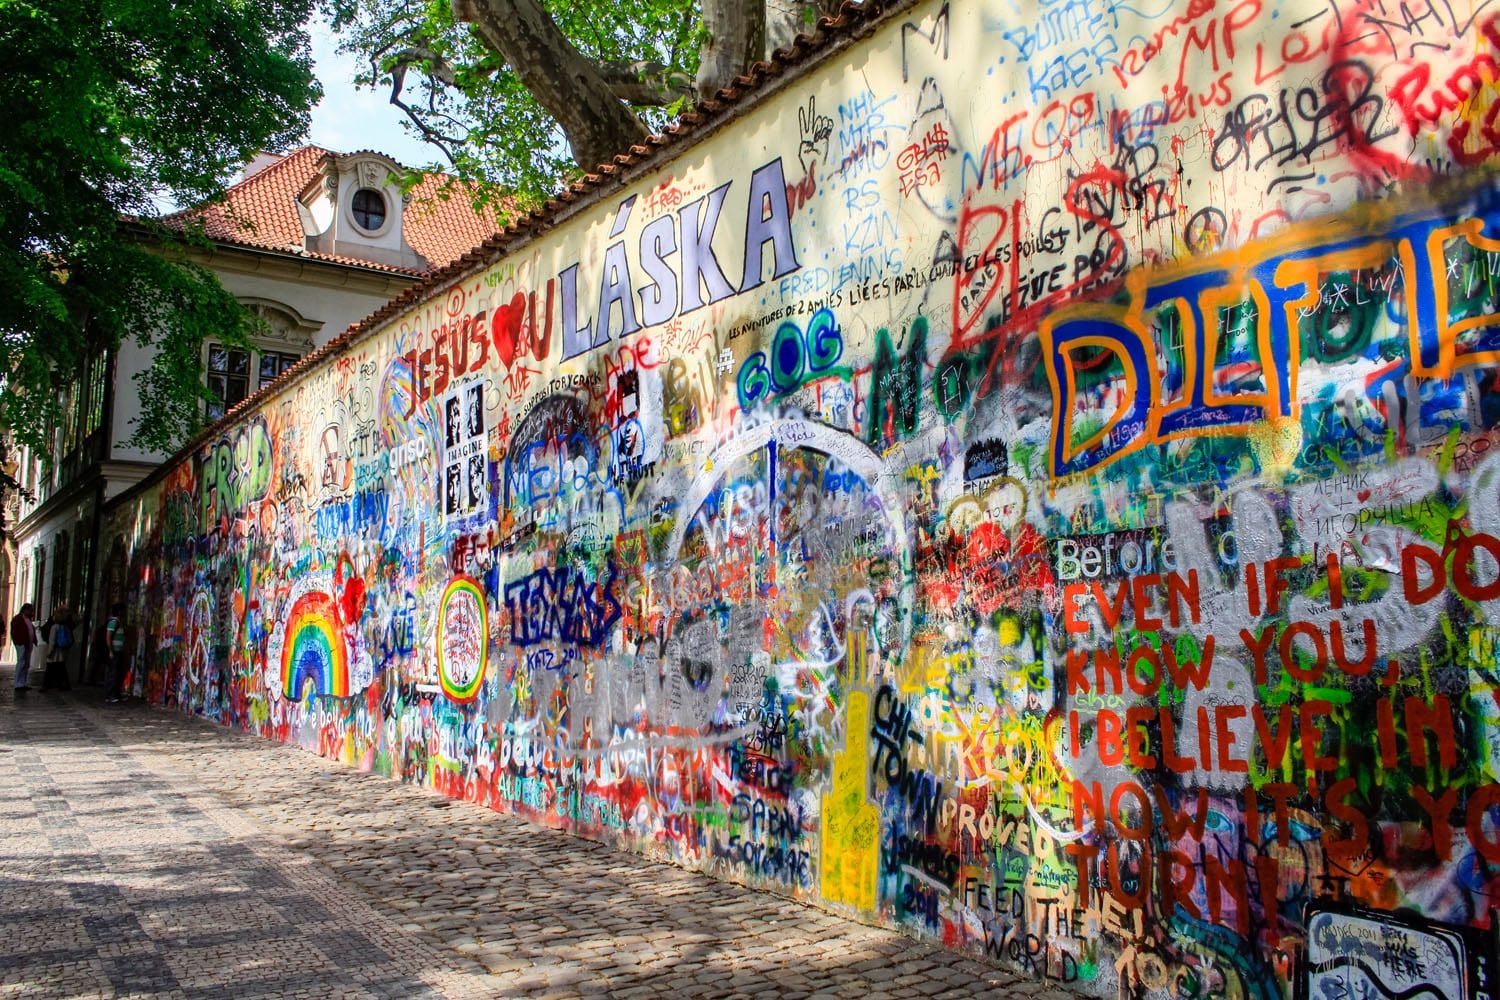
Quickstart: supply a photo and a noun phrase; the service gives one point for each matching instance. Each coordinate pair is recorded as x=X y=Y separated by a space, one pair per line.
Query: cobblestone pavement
x=147 y=854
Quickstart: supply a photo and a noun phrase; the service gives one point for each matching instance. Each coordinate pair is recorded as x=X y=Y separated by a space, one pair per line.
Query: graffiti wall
x=1025 y=482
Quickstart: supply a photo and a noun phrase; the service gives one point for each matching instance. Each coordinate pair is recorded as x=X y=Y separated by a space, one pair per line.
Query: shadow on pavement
x=338 y=881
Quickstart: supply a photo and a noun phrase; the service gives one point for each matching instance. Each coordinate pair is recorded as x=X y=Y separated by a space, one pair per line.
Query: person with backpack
x=114 y=669
x=57 y=632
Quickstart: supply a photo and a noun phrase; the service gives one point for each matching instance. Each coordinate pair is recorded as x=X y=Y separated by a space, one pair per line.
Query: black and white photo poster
x=465 y=464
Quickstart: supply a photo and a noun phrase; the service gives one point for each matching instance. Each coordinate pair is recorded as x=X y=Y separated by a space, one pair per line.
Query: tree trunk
x=562 y=79
x=735 y=38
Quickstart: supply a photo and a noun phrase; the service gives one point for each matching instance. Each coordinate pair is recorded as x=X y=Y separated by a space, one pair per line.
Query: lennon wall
x=1025 y=482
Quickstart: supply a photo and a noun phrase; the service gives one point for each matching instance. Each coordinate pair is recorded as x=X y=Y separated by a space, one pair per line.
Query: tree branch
x=433 y=64
x=646 y=83
x=563 y=80
x=735 y=39
x=430 y=135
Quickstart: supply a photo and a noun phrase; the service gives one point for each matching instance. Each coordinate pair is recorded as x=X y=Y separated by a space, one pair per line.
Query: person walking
x=58 y=634
x=114 y=670
x=23 y=637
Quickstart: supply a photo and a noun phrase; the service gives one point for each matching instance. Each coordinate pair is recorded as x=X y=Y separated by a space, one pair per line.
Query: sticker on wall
x=463 y=639
x=312 y=649
x=1358 y=952
x=465 y=470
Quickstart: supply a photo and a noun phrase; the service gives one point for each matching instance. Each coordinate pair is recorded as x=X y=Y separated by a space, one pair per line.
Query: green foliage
x=111 y=104
x=462 y=97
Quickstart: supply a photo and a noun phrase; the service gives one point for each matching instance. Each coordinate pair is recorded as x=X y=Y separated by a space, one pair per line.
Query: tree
x=111 y=106
x=523 y=93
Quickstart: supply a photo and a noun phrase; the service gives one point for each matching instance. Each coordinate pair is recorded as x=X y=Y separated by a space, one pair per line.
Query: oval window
x=369 y=209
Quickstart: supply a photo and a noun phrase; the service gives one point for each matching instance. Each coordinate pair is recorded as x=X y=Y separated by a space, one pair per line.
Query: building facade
x=312 y=241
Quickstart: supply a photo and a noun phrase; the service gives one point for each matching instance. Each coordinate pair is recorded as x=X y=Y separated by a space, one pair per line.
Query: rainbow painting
x=313 y=649
x=463 y=639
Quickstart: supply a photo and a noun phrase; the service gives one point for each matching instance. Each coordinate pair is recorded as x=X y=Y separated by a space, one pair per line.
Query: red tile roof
x=438 y=221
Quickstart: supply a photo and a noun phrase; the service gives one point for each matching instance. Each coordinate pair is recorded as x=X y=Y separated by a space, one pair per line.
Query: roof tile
x=439 y=220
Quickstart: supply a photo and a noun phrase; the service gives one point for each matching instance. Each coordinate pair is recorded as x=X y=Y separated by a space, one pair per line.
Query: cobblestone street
x=146 y=854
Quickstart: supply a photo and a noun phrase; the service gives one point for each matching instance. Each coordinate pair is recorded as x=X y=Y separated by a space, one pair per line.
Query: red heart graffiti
x=352 y=600
x=506 y=330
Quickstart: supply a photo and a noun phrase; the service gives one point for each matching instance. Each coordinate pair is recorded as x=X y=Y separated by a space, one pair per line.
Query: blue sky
x=350 y=118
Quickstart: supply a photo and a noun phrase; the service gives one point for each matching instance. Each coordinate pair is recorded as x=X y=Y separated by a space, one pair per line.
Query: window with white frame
x=368 y=209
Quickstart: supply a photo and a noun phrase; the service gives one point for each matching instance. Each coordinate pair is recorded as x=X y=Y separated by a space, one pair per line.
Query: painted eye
x=1217 y=822
x=1301 y=831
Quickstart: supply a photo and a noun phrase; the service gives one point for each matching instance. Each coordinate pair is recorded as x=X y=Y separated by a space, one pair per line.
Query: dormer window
x=368 y=209
x=353 y=209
